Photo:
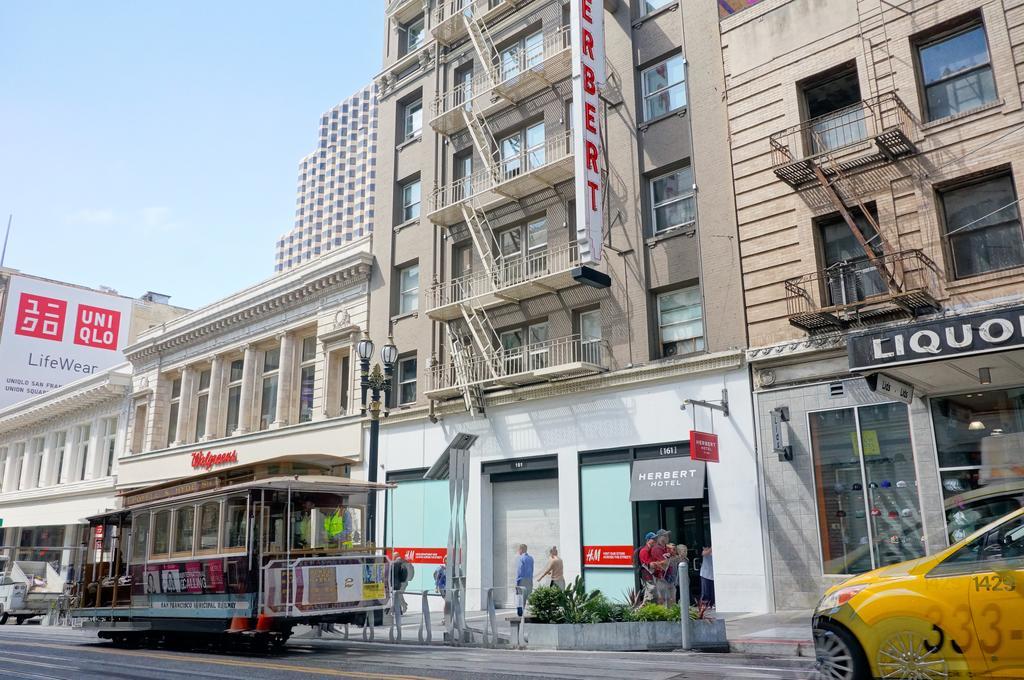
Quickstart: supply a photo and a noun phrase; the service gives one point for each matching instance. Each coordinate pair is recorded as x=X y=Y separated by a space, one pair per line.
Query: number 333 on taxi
x=955 y=614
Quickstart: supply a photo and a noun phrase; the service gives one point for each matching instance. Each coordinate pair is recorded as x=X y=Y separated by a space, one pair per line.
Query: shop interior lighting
x=985 y=376
x=976 y=425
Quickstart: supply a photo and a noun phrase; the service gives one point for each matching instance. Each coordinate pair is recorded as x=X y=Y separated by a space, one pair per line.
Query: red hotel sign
x=206 y=460
x=420 y=555
x=607 y=556
x=704 y=446
x=588 y=78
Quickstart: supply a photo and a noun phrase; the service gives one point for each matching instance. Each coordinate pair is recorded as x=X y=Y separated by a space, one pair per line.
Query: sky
x=154 y=145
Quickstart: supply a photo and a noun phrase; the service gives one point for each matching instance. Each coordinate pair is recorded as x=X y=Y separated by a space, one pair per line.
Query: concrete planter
x=625 y=637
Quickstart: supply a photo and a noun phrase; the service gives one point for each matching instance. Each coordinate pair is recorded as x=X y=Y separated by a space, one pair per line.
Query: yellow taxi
x=955 y=614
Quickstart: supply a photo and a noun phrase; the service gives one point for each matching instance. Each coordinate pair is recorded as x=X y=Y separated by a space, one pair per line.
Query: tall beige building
x=877 y=152
x=334 y=204
x=573 y=390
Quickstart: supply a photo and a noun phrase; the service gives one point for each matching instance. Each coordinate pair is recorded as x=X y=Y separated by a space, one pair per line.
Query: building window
x=202 y=402
x=412 y=120
x=60 y=447
x=235 y=374
x=17 y=461
x=407 y=380
x=175 y=411
x=268 y=396
x=648 y=6
x=522 y=152
x=522 y=55
x=983 y=226
x=533 y=354
x=464 y=176
x=849 y=275
x=408 y=289
x=307 y=378
x=414 y=35
x=834 y=110
x=956 y=72
x=84 y=439
x=681 y=322
x=672 y=200
x=866 y=486
x=588 y=324
x=664 y=87
x=410 y=201
x=35 y=456
x=3 y=467
x=109 y=445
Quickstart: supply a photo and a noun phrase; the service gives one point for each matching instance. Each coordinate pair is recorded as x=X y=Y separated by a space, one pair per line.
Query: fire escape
x=511 y=171
x=824 y=154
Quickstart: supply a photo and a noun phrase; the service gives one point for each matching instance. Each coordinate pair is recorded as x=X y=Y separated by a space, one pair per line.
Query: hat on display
x=840 y=513
x=959 y=534
x=907 y=512
x=857 y=487
x=863 y=540
x=859 y=514
x=875 y=512
x=895 y=538
x=840 y=488
x=649 y=535
x=893 y=514
x=953 y=485
x=872 y=485
x=886 y=483
x=901 y=484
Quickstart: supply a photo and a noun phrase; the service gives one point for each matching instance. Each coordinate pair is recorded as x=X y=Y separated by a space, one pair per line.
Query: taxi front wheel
x=914 y=648
x=838 y=655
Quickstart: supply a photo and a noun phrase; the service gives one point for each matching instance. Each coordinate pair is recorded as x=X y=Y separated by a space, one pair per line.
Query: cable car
x=239 y=554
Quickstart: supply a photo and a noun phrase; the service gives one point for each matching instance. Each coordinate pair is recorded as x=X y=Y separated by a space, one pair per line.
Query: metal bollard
x=684 y=602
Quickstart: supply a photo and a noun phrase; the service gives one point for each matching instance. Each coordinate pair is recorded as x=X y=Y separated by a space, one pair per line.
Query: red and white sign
x=206 y=460
x=588 y=79
x=419 y=555
x=54 y=334
x=703 y=446
x=607 y=556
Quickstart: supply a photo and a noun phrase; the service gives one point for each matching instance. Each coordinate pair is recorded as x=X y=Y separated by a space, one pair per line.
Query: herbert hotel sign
x=588 y=78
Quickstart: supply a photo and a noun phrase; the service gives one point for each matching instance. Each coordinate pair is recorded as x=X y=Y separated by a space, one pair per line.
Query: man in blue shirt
x=524 y=576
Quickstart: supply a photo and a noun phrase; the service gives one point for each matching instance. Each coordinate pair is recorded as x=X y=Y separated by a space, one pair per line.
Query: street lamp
x=376 y=385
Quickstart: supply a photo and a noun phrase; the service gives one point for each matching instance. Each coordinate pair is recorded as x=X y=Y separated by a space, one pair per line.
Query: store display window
x=979 y=438
x=868 y=506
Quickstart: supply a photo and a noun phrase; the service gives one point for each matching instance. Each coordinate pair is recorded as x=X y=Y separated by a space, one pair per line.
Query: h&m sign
x=991 y=331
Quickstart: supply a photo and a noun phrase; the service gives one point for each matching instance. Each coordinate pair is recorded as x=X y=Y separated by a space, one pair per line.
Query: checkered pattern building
x=335 y=199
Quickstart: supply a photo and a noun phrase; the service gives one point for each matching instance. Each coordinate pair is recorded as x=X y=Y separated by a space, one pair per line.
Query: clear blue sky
x=153 y=145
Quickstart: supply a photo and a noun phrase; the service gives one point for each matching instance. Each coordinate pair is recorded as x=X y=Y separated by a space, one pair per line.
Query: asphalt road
x=39 y=653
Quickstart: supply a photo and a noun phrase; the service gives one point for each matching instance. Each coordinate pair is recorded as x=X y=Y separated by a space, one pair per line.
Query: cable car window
x=184 y=529
x=209 y=526
x=140 y=536
x=161 y=532
x=325 y=520
x=234 y=522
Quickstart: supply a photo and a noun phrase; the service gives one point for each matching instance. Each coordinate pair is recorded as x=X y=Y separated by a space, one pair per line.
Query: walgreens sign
x=588 y=79
x=54 y=334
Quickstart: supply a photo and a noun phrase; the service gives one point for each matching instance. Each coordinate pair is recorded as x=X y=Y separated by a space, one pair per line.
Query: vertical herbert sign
x=54 y=334
x=588 y=79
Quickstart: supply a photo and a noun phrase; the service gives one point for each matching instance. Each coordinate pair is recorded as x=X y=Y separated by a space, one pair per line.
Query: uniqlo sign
x=54 y=334
x=703 y=446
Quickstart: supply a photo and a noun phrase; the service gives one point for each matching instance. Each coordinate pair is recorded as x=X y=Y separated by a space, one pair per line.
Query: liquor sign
x=588 y=79
x=607 y=556
x=54 y=334
x=956 y=336
x=420 y=555
x=704 y=446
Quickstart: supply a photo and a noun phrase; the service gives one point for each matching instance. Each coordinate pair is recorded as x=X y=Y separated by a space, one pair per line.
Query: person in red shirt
x=659 y=560
x=647 y=566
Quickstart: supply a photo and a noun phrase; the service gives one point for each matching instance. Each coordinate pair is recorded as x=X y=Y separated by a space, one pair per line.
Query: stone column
x=251 y=359
x=285 y=380
x=185 y=404
x=48 y=469
x=95 y=444
x=214 y=428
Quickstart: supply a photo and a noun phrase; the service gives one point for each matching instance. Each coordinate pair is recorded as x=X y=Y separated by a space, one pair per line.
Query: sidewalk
x=785 y=633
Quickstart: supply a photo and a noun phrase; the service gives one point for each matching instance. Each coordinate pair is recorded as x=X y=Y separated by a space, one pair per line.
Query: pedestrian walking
x=524 y=576
x=707 y=578
x=554 y=570
x=401 y=573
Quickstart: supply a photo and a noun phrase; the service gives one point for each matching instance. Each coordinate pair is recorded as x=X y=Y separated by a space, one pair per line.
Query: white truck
x=28 y=589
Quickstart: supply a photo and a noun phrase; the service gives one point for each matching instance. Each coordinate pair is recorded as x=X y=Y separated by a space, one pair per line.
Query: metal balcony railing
x=509 y=273
x=563 y=357
x=870 y=132
x=513 y=176
x=854 y=292
x=510 y=76
x=449 y=25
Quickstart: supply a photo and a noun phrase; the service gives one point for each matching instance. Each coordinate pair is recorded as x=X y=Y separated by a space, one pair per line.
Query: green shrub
x=578 y=605
x=653 y=612
x=546 y=605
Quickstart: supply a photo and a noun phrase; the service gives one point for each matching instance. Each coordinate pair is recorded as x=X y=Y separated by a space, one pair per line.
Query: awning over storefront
x=676 y=477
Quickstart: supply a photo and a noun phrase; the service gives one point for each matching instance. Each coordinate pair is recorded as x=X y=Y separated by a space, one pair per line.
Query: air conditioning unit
x=672 y=349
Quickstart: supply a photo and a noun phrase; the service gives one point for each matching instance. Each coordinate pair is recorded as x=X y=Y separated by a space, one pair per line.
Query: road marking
x=10 y=657
x=225 y=662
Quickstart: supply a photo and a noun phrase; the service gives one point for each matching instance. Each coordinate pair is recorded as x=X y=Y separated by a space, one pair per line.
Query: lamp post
x=376 y=385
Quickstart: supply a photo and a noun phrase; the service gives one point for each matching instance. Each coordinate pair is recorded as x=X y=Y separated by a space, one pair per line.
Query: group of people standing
x=658 y=560
x=524 y=573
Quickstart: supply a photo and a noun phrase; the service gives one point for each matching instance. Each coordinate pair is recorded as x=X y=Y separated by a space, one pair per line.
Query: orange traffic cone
x=240 y=624
x=264 y=624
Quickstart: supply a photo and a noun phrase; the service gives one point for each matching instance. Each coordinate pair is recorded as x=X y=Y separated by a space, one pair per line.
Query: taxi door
x=996 y=595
